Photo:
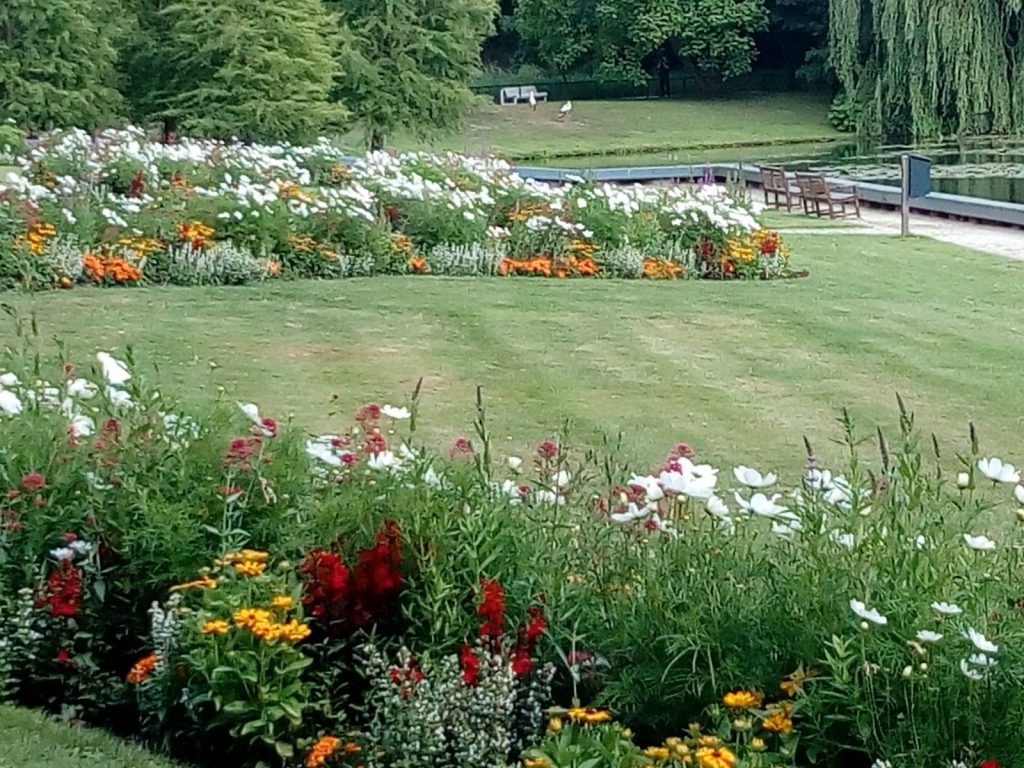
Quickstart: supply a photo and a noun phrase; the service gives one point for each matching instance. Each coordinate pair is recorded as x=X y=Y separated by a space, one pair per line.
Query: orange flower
x=418 y=265
x=778 y=722
x=321 y=751
x=662 y=269
x=743 y=699
x=142 y=669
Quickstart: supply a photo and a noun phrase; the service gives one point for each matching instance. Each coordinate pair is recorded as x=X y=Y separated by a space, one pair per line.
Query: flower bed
x=233 y=590
x=119 y=210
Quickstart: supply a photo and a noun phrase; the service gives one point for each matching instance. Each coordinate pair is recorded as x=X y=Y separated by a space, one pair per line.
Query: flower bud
x=908 y=670
x=923 y=666
x=963 y=480
x=1020 y=514
x=757 y=744
x=514 y=463
x=864 y=626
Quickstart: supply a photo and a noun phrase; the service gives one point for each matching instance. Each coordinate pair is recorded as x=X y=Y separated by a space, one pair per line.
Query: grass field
x=686 y=127
x=740 y=370
x=31 y=739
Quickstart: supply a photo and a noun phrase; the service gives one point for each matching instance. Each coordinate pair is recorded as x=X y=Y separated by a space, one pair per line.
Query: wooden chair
x=838 y=201
x=775 y=183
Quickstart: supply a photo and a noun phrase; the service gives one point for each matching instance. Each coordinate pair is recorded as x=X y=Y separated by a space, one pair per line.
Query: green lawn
x=31 y=739
x=740 y=370
x=687 y=128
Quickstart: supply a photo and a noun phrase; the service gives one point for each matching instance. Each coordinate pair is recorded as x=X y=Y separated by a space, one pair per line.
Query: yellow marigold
x=250 y=568
x=215 y=627
x=715 y=757
x=293 y=631
x=657 y=753
x=743 y=699
x=778 y=722
x=589 y=716
x=283 y=602
x=555 y=724
x=250 y=617
x=255 y=555
x=142 y=669
x=321 y=751
x=536 y=762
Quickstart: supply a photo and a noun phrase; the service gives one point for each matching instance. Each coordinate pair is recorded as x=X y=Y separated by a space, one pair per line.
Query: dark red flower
x=375 y=443
x=240 y=453
x=13 y=493
x=492 y=610
x=990 y=764
x=268 y=427
x=69 y=537
x=683 y=451
x=547 y=450
x=33 y=482
x=368 y=413
x=62 y=592
x=535 y=624
x=470 y=665
x=63 y=656
x=521 y=661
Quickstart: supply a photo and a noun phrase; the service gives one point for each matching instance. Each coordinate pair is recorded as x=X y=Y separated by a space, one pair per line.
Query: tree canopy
x=923 y=68
x=57 y=62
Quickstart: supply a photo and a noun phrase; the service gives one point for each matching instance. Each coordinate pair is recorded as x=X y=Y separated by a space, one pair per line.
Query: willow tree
x=919 y=69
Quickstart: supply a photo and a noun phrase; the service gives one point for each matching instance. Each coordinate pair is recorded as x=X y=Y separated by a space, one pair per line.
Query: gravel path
x=999 y=241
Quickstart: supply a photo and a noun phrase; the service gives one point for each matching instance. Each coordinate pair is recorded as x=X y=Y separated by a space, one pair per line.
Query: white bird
x=565 y=110
x=533 y=101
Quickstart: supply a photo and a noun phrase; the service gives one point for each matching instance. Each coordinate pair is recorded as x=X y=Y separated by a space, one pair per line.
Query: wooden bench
x=833 y=200
x=520 y=94
x=774 y=182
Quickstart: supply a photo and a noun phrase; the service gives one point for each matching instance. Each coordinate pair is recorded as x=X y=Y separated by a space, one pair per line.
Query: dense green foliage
x=916 y=69
x=246 y=68
x=408 y=61
x=57 y=62
x=619 y=37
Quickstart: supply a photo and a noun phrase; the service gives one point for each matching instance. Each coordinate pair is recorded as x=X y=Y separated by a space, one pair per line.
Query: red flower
x=682 y=451
x=521 y=661
x=63 y=590
x=547 y=450
x=375 y=443
x=69 y=537
x=536 y=624
x=492 y=610
x=461 y=449
x=369 y=412
x=137 y=187
x=63 y=656
x=33 y=481
x=267 y=427
x=470 y=665
x=990 y=764
x=240 y=452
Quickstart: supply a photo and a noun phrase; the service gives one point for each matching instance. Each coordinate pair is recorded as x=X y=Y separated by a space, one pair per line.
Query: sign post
x=916 y=182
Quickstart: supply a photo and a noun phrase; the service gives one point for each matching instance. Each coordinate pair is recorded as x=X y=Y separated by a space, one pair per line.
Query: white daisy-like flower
x=981 y=642
x=947 y=609
x=114 y=371
x=752 y=478
x=868 y=614
x=970 y=672
x=395 y=412
x=995 y=470
x=927 y=636
x=979 y=543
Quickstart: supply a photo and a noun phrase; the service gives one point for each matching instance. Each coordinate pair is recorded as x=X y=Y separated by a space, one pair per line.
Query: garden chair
x=837 y=201
x=774 y=182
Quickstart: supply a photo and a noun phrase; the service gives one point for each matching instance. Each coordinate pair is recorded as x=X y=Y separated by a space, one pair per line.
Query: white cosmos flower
x=947 y=609
x=927 y=636
x=843 y=539
x=82 y=388
x=752 y=478
x=119 y=398
x=9 y=380
x=10 y=403
x=562 y=478
x=1018 y=493
x=994 y=469
x=969 y=672
x=716 y=507
x=981 y=660
x=81 y=547
x=514 y=463
x=383 y=460
x=395 y=412
x=81 y=426
x=981 y=642
x=787 y=529
x=633 y=512
x=62 y=553
x=114 y=371
x=95 y=483
x=979 y=543
x=868 y=614
x=549 y=497
x=760 y=504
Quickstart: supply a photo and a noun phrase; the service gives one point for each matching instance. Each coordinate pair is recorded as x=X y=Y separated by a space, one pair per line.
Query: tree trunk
x=376 y=140
x=169 y=130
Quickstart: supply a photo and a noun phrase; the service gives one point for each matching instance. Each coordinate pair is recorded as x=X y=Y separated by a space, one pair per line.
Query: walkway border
x=935 y=204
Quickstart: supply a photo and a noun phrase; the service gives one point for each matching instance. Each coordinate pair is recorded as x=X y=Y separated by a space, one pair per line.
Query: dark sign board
x=920 y=169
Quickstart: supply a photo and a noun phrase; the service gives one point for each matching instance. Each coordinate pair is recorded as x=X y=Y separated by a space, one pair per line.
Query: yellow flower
x=743 y=699
x=718 y=757
x=589 y=716
x=708 y=741
x=757 y=745
x=283 y=602
x=656 y=753
x=250 y=568
x=204 y=582
x=294 y=631
x=778 y=722
x=250 y=617
x=555 y=724
x=536 y=762
x=794 y=681
x=215 y=627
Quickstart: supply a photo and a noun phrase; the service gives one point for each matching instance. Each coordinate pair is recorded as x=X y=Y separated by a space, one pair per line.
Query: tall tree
x=922 y=68
x=407 y=62
x=57 y=63
x=717 y=36
x=253 y=69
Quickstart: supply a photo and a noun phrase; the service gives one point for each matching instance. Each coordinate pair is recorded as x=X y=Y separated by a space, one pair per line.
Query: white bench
x=520 y=94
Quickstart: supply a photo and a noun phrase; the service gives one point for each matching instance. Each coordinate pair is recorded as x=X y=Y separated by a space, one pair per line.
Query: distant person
x=664 y=80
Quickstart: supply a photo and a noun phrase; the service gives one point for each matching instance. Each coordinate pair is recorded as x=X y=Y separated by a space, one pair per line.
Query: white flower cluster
x=19 y=639
x=165 y=629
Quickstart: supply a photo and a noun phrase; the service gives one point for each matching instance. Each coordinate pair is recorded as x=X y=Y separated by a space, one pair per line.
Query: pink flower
x=547 y=450
x=33 y=481
x=461 y=449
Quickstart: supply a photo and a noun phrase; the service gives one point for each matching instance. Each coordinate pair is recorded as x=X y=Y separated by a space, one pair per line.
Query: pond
x=988 y=167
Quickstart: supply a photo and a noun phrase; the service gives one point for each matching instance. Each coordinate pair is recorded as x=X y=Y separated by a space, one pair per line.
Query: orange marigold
x=321 y=751
x=142 y=669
